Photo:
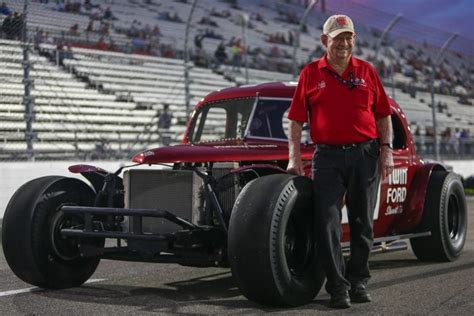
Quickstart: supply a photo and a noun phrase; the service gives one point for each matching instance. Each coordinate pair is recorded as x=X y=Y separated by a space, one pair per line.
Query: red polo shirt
x=337 y=114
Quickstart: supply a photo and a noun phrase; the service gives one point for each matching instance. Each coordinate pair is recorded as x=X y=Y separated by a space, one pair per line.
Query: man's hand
x=295 y=166
x=386 y=161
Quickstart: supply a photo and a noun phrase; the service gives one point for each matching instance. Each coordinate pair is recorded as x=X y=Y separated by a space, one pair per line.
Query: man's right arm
x=295 y=165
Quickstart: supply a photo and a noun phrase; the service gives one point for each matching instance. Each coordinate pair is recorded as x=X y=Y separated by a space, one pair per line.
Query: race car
x=223 y=198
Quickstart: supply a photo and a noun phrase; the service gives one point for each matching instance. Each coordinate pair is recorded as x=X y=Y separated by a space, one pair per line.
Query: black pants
x=354 y=174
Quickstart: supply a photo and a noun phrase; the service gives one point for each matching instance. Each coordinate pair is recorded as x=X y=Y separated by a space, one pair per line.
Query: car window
x=270 y=120
x=267 y=119
x=399 y=138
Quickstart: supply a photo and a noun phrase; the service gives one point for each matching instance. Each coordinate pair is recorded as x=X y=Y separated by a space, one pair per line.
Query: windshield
x=222 y=119
x=230 y=119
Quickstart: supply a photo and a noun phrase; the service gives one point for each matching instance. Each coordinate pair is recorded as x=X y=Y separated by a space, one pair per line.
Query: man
x=164 y=124
x=348 y=112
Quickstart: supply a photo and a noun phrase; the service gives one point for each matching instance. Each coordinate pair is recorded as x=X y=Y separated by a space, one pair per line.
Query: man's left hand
x=386 y=161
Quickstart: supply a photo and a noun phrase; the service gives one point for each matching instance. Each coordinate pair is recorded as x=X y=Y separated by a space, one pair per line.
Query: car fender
x=95 y=175
x=415 y=201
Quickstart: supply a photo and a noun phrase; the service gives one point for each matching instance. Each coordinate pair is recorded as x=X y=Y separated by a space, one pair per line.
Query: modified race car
x=223 y=198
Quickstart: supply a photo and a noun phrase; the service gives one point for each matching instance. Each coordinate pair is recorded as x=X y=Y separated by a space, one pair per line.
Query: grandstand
x=102 y=74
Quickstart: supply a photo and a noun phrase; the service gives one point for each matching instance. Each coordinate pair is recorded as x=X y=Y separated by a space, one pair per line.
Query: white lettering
x=394 y=210
x=396 y=195
x=398 y=176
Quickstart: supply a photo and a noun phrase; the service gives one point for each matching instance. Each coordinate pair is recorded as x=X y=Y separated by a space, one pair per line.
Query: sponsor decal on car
x=397 y=181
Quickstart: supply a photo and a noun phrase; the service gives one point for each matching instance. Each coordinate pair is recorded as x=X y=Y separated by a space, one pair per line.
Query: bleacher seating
x=110 y=99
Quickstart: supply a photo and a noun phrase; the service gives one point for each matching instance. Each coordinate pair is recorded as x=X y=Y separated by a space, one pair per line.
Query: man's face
x=339 y=47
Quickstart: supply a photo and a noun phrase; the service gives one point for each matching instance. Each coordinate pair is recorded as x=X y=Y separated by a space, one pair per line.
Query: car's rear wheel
x=34 y=248
x=445 y=215
x=271 y=243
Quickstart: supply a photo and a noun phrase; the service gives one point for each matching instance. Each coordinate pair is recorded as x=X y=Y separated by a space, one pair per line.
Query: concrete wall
x=464 y=167
x=14 y=174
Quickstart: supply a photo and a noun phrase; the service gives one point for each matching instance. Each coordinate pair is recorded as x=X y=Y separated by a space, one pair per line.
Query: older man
x=348 y=112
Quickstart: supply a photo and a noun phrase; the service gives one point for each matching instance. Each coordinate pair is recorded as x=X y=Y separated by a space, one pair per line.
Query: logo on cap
x=341 y=20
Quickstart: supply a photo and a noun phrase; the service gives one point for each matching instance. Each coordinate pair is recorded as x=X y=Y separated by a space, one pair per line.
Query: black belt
x=345 y=146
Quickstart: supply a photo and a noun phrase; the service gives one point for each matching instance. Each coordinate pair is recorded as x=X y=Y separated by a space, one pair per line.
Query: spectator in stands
x=198 y=40
x=290 y=38
x=464 y=141
x=8 y=27
x=260 y=61
x=104 y=28
x=164 y=124
x=90 y=26
x=73 y=6
x=97 y=12
x=168 y=51
x=138 y=43
x=237 y=51
x=17 y=26
x=87 y=5
x=59 y=6
x=454 y=140
x=156 y=31
x=429 y=139
x=108 y=14
x=419 y=139
x=38 y=38
x=4 y=9
x=445 y=141
x=63 y=52
x=74 y=29
x=100 y=150
x=258 y=17
x=220 y=55
x=101 y=44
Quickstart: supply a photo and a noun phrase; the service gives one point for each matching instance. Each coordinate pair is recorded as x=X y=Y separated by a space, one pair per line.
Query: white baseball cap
x=337 y=24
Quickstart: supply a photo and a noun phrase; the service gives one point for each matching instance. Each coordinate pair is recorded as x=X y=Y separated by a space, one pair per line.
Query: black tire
x=270 y=241
x=445 y=215
x=33 y=246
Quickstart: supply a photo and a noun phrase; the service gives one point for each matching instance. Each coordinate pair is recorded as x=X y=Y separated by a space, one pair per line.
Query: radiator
x=176 y=191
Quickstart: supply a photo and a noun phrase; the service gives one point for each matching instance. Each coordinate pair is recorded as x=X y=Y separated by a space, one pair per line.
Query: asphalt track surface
x=400 y=284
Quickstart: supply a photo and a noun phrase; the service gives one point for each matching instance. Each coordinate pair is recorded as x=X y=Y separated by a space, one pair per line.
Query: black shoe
x=340 y=300
x=359 y=294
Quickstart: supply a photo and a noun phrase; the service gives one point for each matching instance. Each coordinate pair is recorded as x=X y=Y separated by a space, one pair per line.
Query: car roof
x=268 y=89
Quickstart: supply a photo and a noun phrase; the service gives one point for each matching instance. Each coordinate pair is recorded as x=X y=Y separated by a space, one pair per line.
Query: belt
x=345 y=146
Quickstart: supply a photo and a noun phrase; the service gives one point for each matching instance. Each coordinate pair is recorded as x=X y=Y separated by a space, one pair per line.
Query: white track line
x=35 y=289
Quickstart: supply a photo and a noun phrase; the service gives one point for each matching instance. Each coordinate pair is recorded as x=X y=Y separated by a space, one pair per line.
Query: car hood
x=237 y=150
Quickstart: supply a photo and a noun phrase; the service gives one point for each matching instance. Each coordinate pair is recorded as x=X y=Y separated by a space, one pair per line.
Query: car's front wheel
x=271 y=244
x=32 y=242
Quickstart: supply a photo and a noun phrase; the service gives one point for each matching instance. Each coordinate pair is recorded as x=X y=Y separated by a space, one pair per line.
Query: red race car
x=222 y=198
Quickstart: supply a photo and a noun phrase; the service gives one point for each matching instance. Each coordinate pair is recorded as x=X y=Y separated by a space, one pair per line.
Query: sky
x=448 y=15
